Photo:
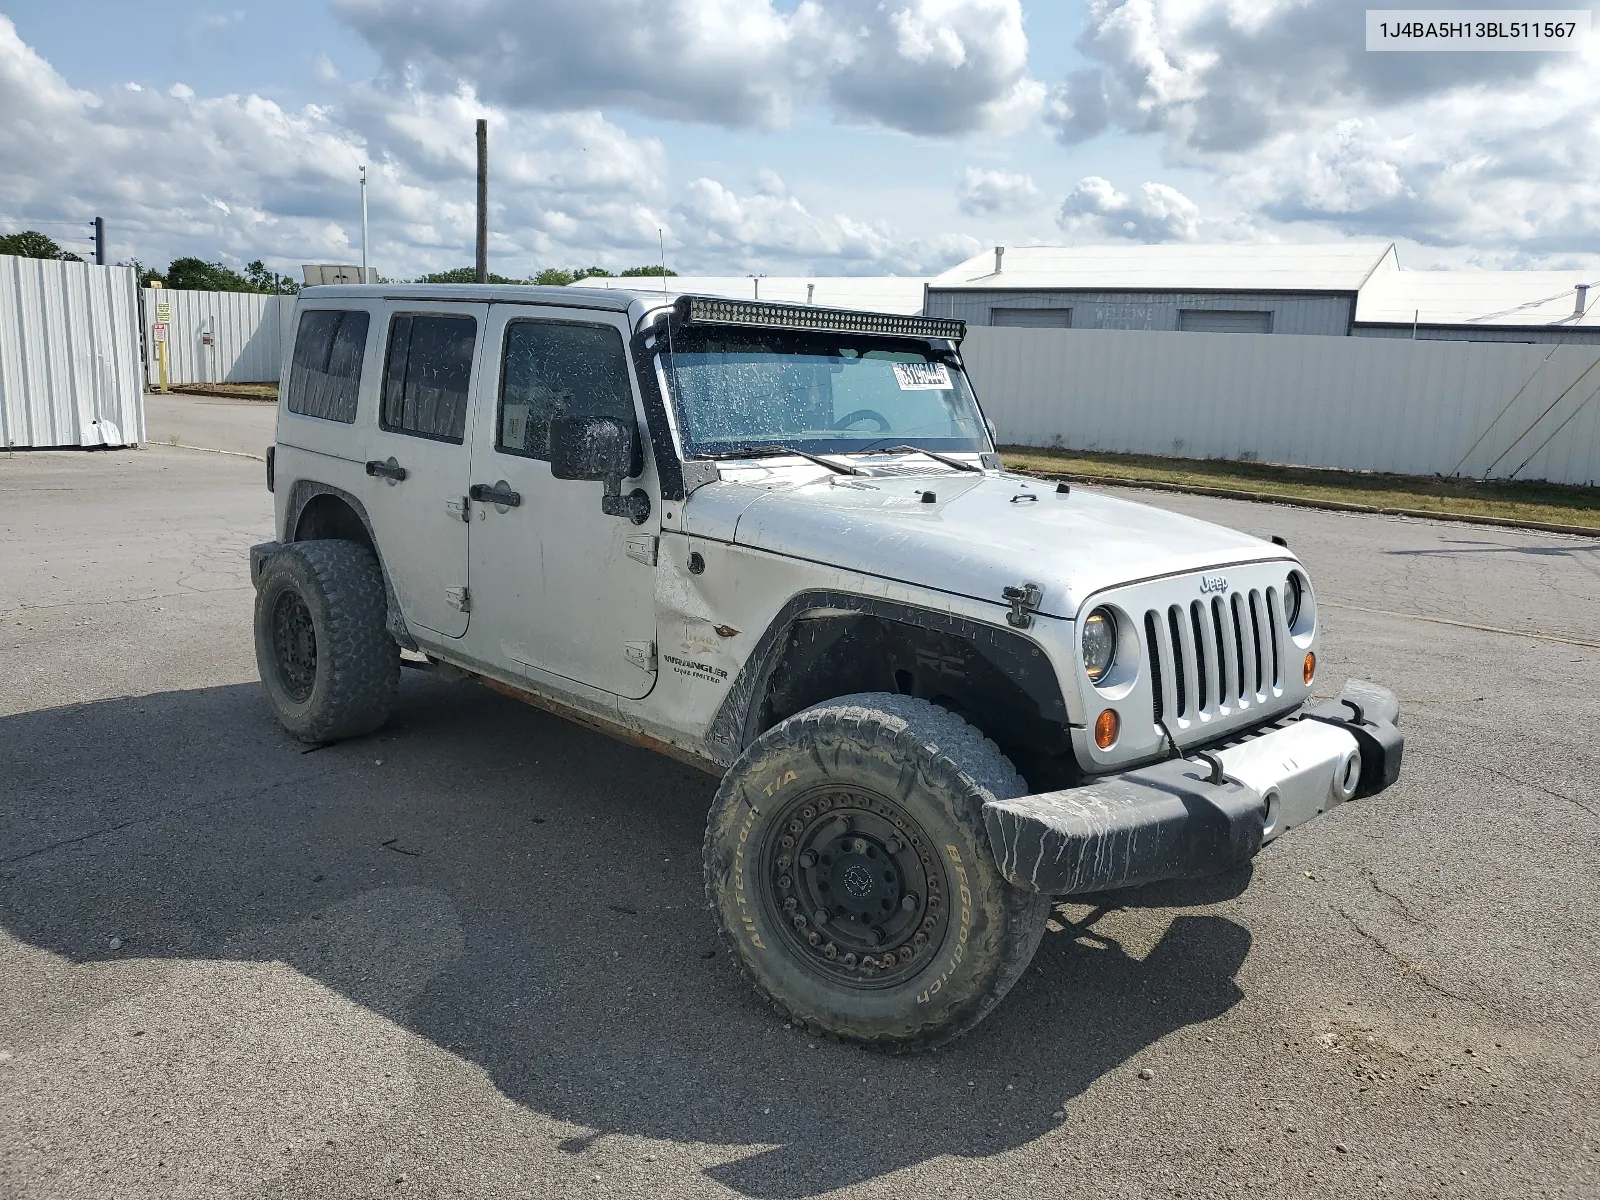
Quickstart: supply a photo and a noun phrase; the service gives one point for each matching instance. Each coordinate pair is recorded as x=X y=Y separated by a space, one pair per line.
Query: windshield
x=822 y=392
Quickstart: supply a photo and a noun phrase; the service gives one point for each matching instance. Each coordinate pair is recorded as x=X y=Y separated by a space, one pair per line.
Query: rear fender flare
x=300 y=497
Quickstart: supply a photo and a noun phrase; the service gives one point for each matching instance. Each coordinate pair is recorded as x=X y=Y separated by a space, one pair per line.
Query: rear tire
x=912 y=934
x=327 y=662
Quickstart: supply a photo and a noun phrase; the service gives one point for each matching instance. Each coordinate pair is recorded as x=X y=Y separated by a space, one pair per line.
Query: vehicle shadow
x=527 y=895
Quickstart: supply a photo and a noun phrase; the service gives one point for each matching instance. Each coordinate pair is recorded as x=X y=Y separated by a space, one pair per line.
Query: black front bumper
x=1178 y=819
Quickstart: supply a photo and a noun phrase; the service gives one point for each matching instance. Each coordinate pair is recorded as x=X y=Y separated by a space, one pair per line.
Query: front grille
x=1210 y=659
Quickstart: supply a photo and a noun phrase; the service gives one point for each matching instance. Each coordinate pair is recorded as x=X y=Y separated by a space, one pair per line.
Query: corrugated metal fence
x=218 y=337
x=69 y=354
x=1485 y=410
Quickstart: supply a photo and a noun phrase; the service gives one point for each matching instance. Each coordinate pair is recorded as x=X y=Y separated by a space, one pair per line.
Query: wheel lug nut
x=875 y=936
x=909 y=902
x=820 y=916
x=808 y=859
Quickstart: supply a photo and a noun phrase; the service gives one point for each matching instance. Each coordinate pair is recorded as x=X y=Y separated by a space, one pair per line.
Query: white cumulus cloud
x=1280 y=101
x=241 y=177
x=987 y=193
x=771 y=230
x=924 y=66
x=1096 y=211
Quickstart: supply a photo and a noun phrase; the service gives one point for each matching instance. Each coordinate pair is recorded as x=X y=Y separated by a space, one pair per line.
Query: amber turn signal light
x=1311 y=667
x=1106 y=727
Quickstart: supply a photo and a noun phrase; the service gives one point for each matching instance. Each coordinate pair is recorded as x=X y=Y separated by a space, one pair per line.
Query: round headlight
x=1099 y=644
x=1294 y=596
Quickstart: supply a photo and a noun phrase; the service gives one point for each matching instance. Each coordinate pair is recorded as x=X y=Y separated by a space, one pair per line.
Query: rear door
x=419 y=456
x=557 y=587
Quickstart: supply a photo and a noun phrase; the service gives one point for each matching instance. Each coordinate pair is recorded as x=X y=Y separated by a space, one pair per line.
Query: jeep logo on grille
x=1213 y=583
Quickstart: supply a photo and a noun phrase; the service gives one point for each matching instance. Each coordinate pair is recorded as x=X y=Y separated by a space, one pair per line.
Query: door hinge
x=459 y=599
x=643 y=549
x=1024 y=601
x=641 y=654
x=458 y=507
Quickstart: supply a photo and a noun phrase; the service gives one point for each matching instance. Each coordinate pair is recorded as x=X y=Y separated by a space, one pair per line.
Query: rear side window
x=557 y=368
x=426 y=376
x=325 y=374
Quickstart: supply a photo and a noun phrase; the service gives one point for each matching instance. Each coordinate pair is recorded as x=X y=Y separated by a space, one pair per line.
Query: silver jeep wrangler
x=776 y=541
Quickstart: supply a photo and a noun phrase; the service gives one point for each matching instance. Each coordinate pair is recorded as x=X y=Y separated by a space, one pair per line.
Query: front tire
x=847 y=863
x=328 y=664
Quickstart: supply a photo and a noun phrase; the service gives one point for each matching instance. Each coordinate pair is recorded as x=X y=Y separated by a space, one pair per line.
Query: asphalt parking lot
x=470 y=955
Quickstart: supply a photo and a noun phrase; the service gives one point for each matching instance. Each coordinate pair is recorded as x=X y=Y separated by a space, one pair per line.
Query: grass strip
x=1566 y=507
x=231 y=391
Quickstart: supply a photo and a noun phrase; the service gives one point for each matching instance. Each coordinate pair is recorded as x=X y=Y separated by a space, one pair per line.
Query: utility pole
x=99 y=241
x=483 y=201
x=364 y=223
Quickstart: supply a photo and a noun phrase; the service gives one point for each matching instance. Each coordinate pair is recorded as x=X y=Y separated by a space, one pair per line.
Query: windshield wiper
x=784 y=452
x=947 y=461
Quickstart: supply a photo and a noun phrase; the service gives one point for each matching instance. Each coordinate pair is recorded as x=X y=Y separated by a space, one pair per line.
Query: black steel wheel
x=856 y=889
x=294 y=646
x=328 y=665
x=848 y=863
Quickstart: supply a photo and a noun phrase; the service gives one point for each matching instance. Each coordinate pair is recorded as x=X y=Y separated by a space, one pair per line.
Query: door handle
x=494 y=493
x=390 y=470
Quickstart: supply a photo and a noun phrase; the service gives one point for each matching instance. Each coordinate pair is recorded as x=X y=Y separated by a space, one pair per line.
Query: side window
x=553 y=368
x=426 y=375
x=325 y=373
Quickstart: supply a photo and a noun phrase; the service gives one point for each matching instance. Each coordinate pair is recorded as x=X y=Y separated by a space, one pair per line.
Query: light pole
x=363 y=223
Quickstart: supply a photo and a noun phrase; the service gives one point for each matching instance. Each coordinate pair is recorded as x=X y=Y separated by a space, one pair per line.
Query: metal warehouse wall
x=69 y=354
x=1480 y=409
x=1588 y=335
x=1308 y=312
x=248 y=332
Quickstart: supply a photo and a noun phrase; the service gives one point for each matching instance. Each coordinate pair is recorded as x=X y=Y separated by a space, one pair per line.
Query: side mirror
x=605 y=449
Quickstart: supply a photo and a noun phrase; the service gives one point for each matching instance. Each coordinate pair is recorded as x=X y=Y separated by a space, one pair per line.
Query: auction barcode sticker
x=1476 y=29
x=922 y=377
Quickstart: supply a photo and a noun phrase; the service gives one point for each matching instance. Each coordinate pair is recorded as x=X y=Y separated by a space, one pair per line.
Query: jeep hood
x=975 y=537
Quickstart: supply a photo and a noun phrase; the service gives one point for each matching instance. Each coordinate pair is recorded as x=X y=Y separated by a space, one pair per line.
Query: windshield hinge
x=640 y=654
x=458 y=598
x=1024 y=601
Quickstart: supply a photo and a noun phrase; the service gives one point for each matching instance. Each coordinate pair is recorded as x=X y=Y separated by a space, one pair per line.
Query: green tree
x=461 y=275
x=553 y=277
x=197 y=275
x=263 y=280
x=30 y=243
x=143 y=273
x=656 y=272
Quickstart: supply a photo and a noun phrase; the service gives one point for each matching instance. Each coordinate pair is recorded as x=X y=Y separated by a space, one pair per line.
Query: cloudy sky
x=783 y=136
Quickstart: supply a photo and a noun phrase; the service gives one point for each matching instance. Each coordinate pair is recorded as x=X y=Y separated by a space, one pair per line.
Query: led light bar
x=707 y=310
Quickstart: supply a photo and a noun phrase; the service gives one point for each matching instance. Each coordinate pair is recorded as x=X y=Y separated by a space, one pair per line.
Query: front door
x=419 y=455
x=555 y=588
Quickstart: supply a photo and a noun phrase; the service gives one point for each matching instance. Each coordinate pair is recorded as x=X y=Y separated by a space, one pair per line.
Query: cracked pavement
x=470 y=955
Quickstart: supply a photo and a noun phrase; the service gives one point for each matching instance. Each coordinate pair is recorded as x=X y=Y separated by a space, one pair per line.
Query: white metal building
x=868 y=293
x=1481 y=306
x=1341 y=289
x=1205 y=289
